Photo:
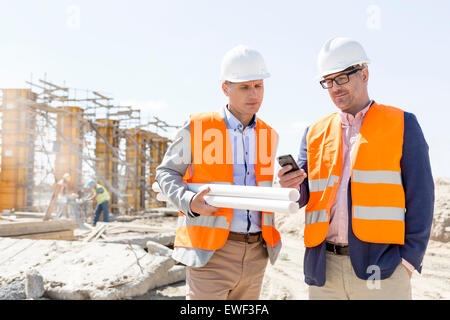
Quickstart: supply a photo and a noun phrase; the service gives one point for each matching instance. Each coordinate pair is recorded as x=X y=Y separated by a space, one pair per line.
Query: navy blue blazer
x=419 y=197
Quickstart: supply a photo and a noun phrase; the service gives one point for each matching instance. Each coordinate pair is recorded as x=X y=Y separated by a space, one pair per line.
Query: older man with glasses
x=366 y=182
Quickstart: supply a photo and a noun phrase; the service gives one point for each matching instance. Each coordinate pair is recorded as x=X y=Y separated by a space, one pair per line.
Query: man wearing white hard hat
x=225 y=250
x=367 y=186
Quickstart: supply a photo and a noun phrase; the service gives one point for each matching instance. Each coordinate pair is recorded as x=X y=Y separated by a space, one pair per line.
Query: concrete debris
x=168 y=212
x=176 y=274
x=166 y=239
x=115 y=260
x=117 y=227
x=149 y=214
x=82 y=270
x=14 y=290
x=137 y=234
x=34 y=284
x=158 y=249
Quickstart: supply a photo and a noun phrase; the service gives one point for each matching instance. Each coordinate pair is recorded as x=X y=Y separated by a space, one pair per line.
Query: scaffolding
x=48 y=129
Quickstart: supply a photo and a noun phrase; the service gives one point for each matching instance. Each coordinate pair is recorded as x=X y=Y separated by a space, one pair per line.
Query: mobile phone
x=286 y=159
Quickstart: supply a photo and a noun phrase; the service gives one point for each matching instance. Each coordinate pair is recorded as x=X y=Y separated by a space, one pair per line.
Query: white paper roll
x=227 y=190
x=280 y=206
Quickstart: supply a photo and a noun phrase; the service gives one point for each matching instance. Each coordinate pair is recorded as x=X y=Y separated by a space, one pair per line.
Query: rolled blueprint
x=227 y=190
x=280 y=206
x=253 y=204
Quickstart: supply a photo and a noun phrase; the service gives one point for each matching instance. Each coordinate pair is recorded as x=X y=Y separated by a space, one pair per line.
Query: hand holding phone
x=286 y=159
x=290 y=178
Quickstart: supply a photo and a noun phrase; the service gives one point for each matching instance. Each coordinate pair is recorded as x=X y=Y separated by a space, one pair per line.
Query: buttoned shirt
x=243 y=145
x=338 y=230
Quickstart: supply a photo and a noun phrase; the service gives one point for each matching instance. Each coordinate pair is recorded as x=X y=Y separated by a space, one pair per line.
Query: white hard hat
x=243 y=64
x=338 y=54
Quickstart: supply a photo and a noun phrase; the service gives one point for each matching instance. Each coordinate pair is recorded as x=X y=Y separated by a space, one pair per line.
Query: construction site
x=49 y=245
x=50 y=133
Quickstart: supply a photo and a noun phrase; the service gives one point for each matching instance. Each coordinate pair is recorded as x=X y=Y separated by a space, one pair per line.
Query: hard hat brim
x=339 y=69
x=248 y=78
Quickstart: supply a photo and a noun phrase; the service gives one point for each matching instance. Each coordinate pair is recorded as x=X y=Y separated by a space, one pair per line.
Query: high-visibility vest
x=102 y=195
x=378 y=198
x=213 y=163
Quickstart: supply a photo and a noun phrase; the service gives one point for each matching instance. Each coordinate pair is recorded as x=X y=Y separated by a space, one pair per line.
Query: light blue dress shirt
x=243 y=144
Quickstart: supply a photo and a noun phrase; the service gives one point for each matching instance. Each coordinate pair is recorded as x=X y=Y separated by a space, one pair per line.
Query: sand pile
x=441 y=219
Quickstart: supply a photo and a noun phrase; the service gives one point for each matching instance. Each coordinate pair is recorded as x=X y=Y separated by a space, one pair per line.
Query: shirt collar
x=234 y=123
x=348 y=119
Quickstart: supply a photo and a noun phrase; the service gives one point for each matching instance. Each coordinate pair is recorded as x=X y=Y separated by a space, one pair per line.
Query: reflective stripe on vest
x=101 y=197
x=379 y=176
x=204 y=221
x=378 y=199
x=379 y=213
x=321 y=184
x=268 y=219
x=316 y=216
x=211 y=164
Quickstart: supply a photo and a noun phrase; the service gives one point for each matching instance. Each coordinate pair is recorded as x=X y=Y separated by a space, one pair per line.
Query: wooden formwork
x=18 y=134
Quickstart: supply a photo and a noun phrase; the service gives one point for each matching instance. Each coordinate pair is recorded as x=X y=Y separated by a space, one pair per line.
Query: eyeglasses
x=340 y=79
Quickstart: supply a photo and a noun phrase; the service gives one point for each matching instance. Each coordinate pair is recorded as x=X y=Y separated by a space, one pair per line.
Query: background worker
x=102 y=198
x=64 y=192
x=367 y=186
x=225 y=250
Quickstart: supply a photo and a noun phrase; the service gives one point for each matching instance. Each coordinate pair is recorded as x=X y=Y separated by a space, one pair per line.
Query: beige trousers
x=343 y=284
x=234 y=272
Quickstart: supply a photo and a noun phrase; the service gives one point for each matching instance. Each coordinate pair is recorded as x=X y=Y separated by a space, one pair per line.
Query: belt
x=337 y=249
x=245 y=237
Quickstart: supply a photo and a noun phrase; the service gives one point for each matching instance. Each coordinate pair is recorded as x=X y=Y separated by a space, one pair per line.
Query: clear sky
x=164 y=56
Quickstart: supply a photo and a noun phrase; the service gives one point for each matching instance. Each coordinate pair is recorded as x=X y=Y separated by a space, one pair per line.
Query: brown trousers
x=234 y=272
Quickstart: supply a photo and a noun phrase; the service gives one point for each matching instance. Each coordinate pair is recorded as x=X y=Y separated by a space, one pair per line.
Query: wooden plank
x=105 y=237
x=57 y=235
x=31 y=227
x=99 y=228
x=12 y=218
x=99 y=233
x=51 y=205
x=24 y=214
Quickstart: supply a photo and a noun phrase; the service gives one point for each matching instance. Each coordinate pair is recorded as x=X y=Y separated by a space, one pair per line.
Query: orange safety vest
x=378 y=198
x=213 y=163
